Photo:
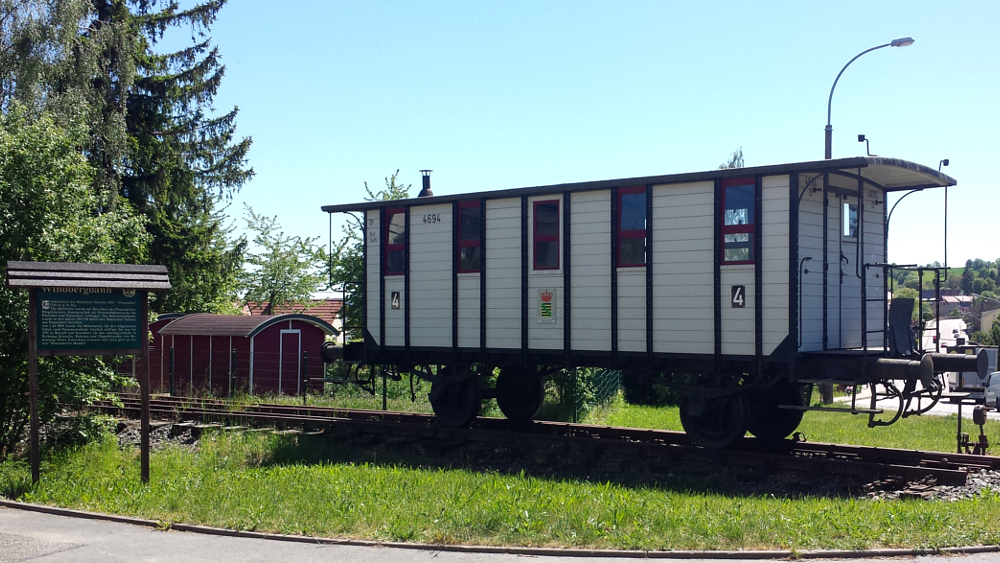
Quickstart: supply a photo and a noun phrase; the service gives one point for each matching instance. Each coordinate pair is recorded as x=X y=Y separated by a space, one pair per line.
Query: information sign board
x=88 y=319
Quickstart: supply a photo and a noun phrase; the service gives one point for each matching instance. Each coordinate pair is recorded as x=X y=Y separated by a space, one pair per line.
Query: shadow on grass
x=559 y=462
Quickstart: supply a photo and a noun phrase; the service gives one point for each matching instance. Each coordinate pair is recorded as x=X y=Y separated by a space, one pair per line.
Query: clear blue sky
x=505 y=94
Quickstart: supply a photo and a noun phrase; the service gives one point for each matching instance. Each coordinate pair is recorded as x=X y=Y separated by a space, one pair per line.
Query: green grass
x=359 y=488
x=271 y=484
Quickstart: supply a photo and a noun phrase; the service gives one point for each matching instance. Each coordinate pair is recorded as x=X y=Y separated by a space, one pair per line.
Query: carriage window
x=738 y=229
x=546 y=235
x=850 y=220
x=395 y=241
x=470 y=243
x=632 y=227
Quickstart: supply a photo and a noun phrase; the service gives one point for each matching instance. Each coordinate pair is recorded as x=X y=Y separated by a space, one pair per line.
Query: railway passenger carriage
x=735 y=286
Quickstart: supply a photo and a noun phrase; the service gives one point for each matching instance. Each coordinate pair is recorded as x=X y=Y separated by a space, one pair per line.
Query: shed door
x=290 y=363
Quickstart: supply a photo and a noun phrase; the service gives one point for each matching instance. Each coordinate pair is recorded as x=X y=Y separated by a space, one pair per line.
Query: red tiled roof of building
x=326 y=309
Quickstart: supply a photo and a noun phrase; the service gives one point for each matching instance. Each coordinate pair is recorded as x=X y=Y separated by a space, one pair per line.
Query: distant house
x=950 y=303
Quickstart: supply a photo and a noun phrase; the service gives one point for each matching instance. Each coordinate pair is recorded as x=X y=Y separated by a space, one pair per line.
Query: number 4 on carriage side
x=739 y=296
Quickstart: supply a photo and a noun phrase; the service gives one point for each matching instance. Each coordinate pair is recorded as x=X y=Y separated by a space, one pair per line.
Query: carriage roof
x=888 y=174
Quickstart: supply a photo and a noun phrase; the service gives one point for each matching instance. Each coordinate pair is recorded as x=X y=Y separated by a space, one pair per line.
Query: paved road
x=46 y=538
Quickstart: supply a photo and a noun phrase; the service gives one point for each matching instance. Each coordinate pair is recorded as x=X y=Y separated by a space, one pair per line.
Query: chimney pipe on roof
x=426 y=191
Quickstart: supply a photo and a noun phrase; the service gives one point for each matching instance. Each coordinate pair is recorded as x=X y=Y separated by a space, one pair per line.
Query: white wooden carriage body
x=765 y=309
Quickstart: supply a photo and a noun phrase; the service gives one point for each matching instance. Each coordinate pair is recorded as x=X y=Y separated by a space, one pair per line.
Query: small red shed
x=252 y=354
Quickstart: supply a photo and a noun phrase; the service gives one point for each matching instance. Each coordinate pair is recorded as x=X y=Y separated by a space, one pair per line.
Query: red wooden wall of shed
x=203 y=364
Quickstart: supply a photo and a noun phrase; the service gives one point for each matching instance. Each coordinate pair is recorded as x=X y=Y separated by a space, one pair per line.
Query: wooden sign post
x=87 y=310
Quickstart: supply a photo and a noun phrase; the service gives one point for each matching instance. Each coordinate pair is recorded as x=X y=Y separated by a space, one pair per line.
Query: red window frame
x=750 y=228
x=536 y=238
x=477 y=242
x=624 y=234
x=387 y=248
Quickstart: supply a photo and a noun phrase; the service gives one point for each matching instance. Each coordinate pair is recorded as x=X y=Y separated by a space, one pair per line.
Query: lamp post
x=902 y=42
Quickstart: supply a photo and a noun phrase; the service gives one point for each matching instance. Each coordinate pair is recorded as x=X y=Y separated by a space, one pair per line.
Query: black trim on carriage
x=758 y=277
x=567 y=283
x=524 y=280
x=649 y=276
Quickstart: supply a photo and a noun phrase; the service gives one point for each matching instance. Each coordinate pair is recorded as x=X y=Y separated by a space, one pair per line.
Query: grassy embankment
x=317 y=486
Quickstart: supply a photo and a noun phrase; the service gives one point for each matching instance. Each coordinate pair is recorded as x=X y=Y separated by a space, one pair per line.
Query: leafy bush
x=48 y=212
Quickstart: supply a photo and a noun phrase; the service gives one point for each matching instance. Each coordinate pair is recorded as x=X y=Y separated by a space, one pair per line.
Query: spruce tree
x=185 y=162
x=181 y=161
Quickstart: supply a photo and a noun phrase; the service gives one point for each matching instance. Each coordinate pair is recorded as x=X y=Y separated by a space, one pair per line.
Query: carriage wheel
x=519 y=393
x=718 y=424
x=456 y=404
x=765 y=419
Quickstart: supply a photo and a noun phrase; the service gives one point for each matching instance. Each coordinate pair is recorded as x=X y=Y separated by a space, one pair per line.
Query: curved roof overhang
x=244 y=326
x=888 y=174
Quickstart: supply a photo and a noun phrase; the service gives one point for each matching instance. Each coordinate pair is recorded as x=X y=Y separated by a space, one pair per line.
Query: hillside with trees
x=979 y=279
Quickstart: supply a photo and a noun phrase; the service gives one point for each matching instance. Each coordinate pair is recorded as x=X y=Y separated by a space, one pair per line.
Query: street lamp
x=902 y=42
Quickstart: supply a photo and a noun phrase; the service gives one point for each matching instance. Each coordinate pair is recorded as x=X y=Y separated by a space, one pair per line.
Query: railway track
x=834 y=459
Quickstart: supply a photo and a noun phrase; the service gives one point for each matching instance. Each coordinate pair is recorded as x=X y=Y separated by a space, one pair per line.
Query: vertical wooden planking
x=809 y=283
x=589 y=242
x=503 y=285
x=683 y=244
x=774 y=262
x=432 y=277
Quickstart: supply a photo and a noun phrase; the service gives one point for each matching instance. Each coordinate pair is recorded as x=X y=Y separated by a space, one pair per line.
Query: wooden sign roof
x=69 y=274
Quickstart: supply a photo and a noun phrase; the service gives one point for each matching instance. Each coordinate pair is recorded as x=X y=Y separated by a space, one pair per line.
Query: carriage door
x=850 y=274
x=290 y=359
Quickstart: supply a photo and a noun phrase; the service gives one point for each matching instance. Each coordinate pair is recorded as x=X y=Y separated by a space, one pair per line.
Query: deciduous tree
x=282 y=269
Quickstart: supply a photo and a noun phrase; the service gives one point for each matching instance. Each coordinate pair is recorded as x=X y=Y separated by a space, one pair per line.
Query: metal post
x=920 y=306
x=232 y=372
x=958 y=437
x=575 y=399
x=305 y=376
x=33 y=376
x=144 y=386
x=171 y=371
x=385 y=394
x=828 y=141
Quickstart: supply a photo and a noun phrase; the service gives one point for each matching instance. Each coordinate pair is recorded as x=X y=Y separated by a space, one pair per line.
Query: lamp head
x=861 y=138
x=901 y=42
x=944 y=162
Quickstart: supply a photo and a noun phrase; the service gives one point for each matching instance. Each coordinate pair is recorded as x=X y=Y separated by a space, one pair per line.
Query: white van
x=993 y=390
